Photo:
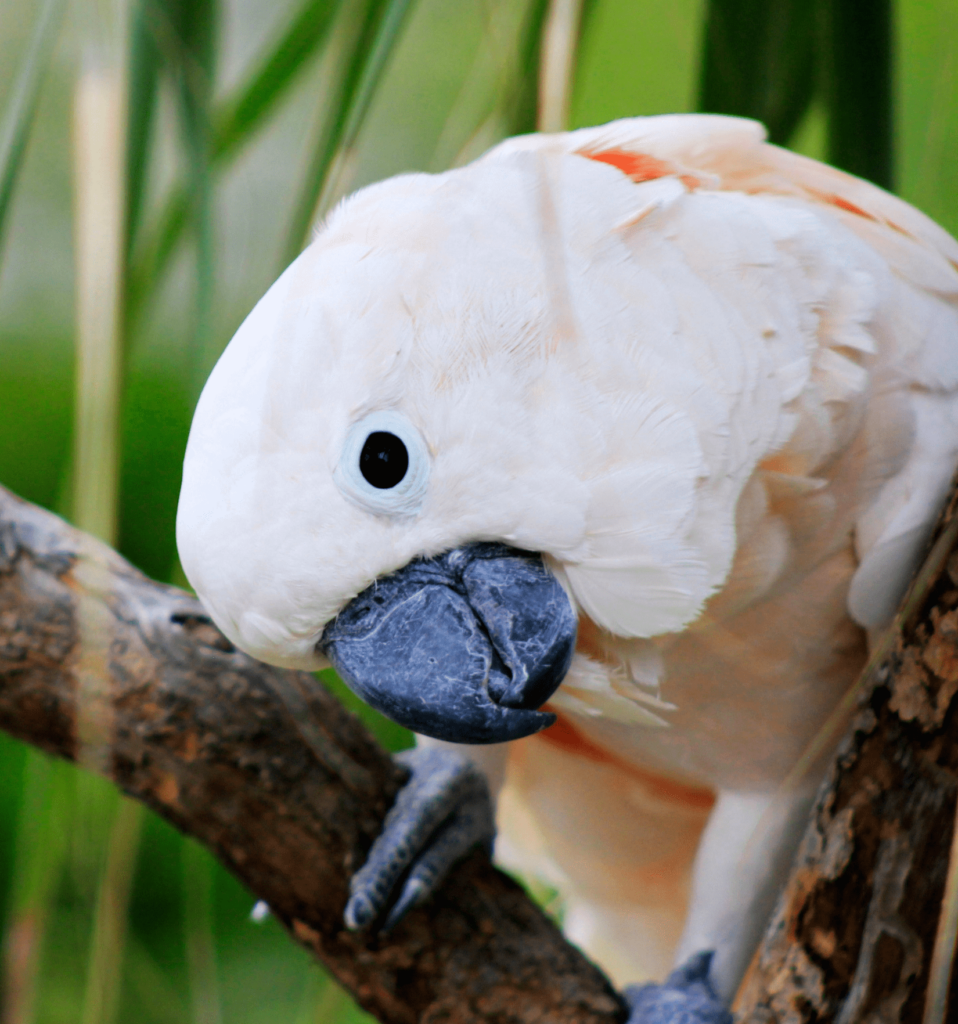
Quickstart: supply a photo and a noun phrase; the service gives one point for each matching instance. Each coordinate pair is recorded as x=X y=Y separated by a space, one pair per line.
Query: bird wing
x=861 y=431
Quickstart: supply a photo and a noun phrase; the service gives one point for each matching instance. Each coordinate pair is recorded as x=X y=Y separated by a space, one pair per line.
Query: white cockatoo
x=616 y=445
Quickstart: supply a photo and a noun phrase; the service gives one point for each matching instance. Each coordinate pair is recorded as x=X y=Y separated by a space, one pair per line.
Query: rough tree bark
x=127 y=676
x=854 y=931
x=103 y=666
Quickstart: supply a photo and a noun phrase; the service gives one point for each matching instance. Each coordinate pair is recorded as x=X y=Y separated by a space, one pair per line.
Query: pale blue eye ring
x=405 y=498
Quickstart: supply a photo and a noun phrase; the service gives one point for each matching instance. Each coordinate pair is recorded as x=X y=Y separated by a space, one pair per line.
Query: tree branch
x=103 y=666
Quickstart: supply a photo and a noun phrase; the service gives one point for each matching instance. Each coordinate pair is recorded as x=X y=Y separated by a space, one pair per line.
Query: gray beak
x=463 y=647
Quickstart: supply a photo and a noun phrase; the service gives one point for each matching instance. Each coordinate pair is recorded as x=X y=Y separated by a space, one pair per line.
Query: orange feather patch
x=844 y=204
x=639 y=166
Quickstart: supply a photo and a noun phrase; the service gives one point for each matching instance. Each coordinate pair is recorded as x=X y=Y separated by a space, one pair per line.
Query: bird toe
x=443 y=811
x=686 y=997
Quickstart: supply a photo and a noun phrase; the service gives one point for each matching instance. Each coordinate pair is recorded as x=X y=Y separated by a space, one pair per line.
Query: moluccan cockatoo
x=596 y=461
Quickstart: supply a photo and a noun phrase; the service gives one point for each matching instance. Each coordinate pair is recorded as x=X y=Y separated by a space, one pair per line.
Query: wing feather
x=855 y=295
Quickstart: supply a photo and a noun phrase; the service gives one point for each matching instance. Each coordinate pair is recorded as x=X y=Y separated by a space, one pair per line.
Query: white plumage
x=714 y=382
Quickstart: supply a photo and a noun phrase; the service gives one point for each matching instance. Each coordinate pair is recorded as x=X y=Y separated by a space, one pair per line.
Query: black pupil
x=384 y=460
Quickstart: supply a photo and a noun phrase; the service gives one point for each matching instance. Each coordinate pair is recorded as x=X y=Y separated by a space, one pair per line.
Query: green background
x=634 y=58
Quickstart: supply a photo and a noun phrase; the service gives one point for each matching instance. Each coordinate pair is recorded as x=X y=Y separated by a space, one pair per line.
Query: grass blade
x=858 y=86
x=101 y=1000
x=526 y=101
x=758 y=60
x=99 y=249
x=22 y=105
x=196 y=33
x=143 y=76
x=177 y=37
x=199 y=936
x=150 y=984
x=98 y=132
x=516 y=52
x=148 y=265
x=233 y=125
x=484 y=107
x=243 y=114
x=38 y=867
x=559 y=43
x=372 y=48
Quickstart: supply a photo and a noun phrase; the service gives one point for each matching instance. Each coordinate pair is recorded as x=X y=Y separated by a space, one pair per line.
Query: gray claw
x=687 y=997
x=468 y=826
x=442 y=812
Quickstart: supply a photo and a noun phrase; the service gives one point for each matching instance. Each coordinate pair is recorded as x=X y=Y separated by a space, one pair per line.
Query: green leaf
x=177 y=38
x=143 y=73
x=198 y=931
x=197 y=29
x=523 y=105
x=242 y=114
x=233 y=126
x=857 y=47
x=758 y=60
x=108 y=941
x=374 y=44
x=526 y=100
x=768 y=60
x=152 y=256
x=22 y=105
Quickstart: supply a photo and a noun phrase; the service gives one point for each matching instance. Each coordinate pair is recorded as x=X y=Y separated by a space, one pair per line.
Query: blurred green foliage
x=247 y=120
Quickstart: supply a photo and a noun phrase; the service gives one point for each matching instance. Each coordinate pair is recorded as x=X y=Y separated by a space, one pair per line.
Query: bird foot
x=441 y=813
x=686 y=997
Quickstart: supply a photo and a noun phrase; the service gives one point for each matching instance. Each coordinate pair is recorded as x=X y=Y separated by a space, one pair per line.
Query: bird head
x=393 y=462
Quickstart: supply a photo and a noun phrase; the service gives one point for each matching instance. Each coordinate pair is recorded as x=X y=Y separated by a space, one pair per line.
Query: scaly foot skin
x=686 y=997
x=442 y=812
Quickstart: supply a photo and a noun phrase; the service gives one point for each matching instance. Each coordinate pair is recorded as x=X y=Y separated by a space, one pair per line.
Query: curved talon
x=442 y=812
x=686 y=997
x=471 y=824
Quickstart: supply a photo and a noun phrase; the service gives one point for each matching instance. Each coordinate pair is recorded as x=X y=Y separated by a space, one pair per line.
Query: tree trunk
x=854 y=932
x=103 y=666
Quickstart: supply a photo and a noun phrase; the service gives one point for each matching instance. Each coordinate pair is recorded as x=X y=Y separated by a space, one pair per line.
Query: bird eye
x=384 y=465
x=384 y=460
